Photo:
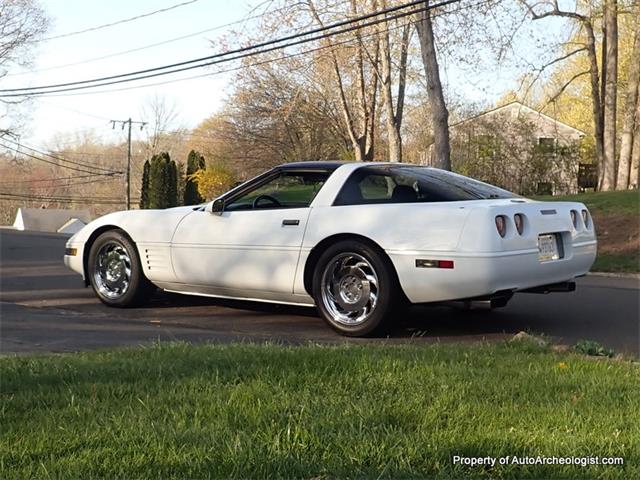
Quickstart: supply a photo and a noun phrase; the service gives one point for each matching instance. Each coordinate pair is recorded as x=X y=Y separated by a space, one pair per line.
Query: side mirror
x=216 y=207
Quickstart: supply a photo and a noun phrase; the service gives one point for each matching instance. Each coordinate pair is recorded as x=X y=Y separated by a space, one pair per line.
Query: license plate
x=548 y=248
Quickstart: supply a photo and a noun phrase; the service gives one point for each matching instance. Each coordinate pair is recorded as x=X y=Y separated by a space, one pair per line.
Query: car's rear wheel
x=354 y=288
x=115 y=273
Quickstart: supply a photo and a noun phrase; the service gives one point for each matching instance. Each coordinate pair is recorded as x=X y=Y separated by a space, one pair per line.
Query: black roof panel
x=312 y=165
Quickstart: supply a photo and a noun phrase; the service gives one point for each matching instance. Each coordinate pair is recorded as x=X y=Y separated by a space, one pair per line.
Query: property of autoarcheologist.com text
x=535 y=460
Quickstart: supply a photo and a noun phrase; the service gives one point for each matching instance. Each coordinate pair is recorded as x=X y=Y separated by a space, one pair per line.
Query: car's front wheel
x=354 y=289
x=115 y=273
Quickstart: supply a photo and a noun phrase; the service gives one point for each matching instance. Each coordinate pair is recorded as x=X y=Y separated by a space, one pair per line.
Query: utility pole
x=128 y=122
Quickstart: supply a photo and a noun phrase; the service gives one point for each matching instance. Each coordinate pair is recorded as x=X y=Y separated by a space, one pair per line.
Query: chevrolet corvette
x=356 y=240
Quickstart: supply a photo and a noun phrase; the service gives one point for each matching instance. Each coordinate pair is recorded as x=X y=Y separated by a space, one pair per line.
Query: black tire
x=335 y=272
x=138 y=289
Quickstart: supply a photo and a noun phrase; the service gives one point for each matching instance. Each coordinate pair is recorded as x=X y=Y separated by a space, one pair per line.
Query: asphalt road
x=45 y=308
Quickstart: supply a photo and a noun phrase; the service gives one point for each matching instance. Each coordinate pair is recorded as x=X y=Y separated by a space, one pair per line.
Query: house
x=51 y=220
x=518 y=148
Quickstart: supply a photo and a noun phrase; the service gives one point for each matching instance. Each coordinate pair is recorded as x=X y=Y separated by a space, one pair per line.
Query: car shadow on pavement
x=415 y=321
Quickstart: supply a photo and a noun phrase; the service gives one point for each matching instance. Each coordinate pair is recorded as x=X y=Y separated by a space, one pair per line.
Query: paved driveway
x=45 y=308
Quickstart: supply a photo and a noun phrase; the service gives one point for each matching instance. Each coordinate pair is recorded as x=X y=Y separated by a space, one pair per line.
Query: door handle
x=286 y=223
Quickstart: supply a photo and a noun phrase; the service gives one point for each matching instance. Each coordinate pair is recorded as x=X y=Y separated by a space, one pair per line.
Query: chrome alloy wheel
x=112 y=270
x=349 y=287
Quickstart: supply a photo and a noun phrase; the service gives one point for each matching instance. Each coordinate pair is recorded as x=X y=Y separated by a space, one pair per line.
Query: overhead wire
x=48 y=198
x=44 y=180
x=151 y=45
x=118 y=22
x=34 y=157
x=60 y=159
x=241 y=67
x=244 y=52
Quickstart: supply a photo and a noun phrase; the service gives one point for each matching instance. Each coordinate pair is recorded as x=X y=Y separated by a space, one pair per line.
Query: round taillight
x=574 y=218
x=501 y=225
x=518 y=219
x=585 y=218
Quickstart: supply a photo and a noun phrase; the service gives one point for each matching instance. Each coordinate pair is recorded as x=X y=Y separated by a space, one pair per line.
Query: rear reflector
x=574 y=218
x=421 y=263
x=501 y=225
x=518 y=219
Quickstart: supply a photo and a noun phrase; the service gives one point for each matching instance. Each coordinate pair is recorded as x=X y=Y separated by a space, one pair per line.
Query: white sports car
x=354 y=239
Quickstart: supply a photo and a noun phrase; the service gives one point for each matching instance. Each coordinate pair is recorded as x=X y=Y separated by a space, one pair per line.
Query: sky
x=53 y=121
x=69 y=115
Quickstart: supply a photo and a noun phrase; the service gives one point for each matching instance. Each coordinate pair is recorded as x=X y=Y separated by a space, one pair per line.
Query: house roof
x=520 y=107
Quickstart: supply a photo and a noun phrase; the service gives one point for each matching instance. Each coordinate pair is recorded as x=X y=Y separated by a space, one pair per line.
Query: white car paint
x=252 y=255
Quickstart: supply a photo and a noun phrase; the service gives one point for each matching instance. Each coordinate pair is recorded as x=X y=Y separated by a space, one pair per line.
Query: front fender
x=146 y=227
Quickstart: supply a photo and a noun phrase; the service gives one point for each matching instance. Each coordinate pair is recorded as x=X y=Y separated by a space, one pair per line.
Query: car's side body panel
x=251 y=251
x=150 y=230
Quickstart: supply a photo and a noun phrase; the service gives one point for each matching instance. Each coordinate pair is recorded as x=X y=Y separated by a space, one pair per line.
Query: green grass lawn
x=627 y=202
x=616 y=263
x=315 y=412
x=617 y=219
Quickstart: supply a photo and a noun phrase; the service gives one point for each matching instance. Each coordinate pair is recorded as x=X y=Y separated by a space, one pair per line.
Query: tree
x=354 y=72
x=161 y=116
x=609 y=97
x=172 y=184
x=635 y=152
x=630 y=121
x=144 y=190
x=578 y=60
x=163 y=191
x=393 y=113
x=22 y=24
x=195 y=162
x=213 y=180
x=439 y=112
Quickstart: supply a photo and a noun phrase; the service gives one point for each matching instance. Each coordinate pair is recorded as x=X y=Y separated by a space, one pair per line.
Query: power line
x=16 y=150
x=54 y=179
x=151 y=45
x=241 y=52
x=118 y=22
x=243 y=49
x=61 y=197
x=60 y=159
x=262 y=62
x=85 y=200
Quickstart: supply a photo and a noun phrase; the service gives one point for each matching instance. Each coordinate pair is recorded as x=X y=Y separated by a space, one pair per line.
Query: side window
x=404 y=184
x=378 y=186
x=287 y=190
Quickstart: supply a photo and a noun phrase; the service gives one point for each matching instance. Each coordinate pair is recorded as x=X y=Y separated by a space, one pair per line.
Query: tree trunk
x=629 y=123
x=361 y=139
x=635 y=150
x=439 y=113
x=393 y=117
x=610 y=94
x=393 y=135
x=596 y=99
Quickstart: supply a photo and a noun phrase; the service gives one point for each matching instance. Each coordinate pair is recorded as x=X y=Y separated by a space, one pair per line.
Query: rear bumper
x=481 y=274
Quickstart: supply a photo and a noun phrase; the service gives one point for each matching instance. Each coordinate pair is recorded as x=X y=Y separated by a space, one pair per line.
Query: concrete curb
x=615 y=275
